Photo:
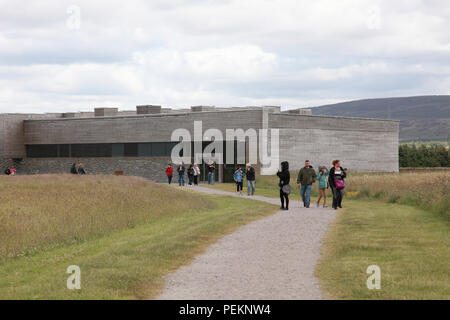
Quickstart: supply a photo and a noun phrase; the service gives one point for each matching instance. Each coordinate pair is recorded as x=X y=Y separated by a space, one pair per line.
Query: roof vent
x=202 y=108
x=303 y=112
x=105 y=112
x=148 y=109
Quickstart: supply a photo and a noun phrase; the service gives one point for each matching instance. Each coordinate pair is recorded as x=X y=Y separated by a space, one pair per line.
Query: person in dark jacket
x=336 y=173
x=81 y=169
x=181 y=169
x=74 y=169
x=190 y=174
x=251 y=177
x=211 y=172
x=285 y=178
x=306 y=177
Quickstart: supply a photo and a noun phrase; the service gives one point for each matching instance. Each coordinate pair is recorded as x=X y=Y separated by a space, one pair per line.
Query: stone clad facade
x=137 y=142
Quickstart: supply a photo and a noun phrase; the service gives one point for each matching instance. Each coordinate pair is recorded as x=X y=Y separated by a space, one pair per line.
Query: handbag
x=339 y=183
x=286 y=189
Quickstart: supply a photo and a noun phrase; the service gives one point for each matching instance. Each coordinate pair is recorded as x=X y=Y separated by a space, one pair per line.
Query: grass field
x=410 y=245
x=124 y=233
x=400 y=222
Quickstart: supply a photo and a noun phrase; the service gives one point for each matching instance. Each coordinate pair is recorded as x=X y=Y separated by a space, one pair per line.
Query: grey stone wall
x=362 y=144
x=358 y=150
x=11 y=136
x=150 y=168
x=143 y=128
x=5 y=163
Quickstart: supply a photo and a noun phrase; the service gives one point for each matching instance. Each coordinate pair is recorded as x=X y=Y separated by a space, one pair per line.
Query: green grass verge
x=410 y=245
x=129 y=263
x=399 y=222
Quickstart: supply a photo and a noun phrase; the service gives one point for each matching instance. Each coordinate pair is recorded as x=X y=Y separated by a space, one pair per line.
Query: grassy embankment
x=400 y=222
x=124 y=233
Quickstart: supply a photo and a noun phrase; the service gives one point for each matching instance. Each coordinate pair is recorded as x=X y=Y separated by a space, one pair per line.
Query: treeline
x=435 y=155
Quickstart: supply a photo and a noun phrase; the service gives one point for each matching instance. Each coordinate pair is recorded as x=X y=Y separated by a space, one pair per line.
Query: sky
x=58 y=56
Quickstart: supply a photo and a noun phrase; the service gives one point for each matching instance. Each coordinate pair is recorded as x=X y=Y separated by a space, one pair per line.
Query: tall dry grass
x=429 y=190
x=49 y=210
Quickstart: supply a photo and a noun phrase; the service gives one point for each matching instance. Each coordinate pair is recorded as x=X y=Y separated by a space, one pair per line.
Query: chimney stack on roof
x=148 y=109
x=106 y=112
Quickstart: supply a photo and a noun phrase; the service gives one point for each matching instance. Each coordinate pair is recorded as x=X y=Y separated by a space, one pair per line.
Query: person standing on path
x=322 y=178
x=169 y=173
x=190 y=173
x=306 y=177
x=196 y=174
x=181 y=169
x=211 y=172
x=251 y=177
x=238 y=178
x=285 y=188
x=337 y=183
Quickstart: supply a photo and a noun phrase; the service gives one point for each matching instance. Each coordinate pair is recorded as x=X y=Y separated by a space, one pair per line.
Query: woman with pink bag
x=337 y=183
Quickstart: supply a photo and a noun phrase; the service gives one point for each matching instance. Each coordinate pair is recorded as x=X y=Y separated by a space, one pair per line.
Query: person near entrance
x=169 y=173
x=196 y=174
x=211 y=172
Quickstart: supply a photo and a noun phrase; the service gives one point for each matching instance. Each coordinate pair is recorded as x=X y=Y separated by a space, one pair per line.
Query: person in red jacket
x=169 y=173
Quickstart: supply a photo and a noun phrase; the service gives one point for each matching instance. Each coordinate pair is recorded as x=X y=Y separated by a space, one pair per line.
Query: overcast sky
x=76 y=55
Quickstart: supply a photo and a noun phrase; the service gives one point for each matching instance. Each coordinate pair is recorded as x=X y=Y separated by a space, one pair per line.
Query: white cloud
x=232 y=52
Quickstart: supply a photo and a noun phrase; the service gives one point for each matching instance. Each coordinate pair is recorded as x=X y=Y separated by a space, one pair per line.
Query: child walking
x=239 y=178
x=322 y=177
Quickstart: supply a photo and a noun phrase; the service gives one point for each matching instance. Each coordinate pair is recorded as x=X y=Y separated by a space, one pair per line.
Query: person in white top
x=196 y=174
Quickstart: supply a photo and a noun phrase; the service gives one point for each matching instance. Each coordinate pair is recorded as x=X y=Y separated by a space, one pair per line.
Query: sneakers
x=325 y=206
x=317 y=205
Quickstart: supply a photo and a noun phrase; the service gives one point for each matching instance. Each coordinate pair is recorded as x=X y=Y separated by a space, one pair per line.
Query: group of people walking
x=193 y=173
x=307 y=176
x=249 y=174
x=333 y=178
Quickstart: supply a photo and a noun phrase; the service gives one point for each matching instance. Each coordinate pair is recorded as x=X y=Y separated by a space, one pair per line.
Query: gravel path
x=272 y=258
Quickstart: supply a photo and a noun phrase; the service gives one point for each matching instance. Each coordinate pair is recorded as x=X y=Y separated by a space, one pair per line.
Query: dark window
x=158 y=149
x=131 y=150
x=144 y=150
x=118 y=150
x=42 y=151
x=91 y=150
x=151 y=149
x=64 y=150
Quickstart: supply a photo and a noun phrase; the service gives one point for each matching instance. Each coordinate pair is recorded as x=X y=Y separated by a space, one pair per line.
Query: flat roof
x=184 y=113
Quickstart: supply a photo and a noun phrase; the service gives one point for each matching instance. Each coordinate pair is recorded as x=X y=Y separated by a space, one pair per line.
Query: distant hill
x=423 y=118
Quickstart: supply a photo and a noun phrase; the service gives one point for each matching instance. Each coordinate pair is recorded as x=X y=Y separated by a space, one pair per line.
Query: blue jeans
x=169 y=179
x=305 y=192
x=211 y=177
x=250 y=187
x=181 y=179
